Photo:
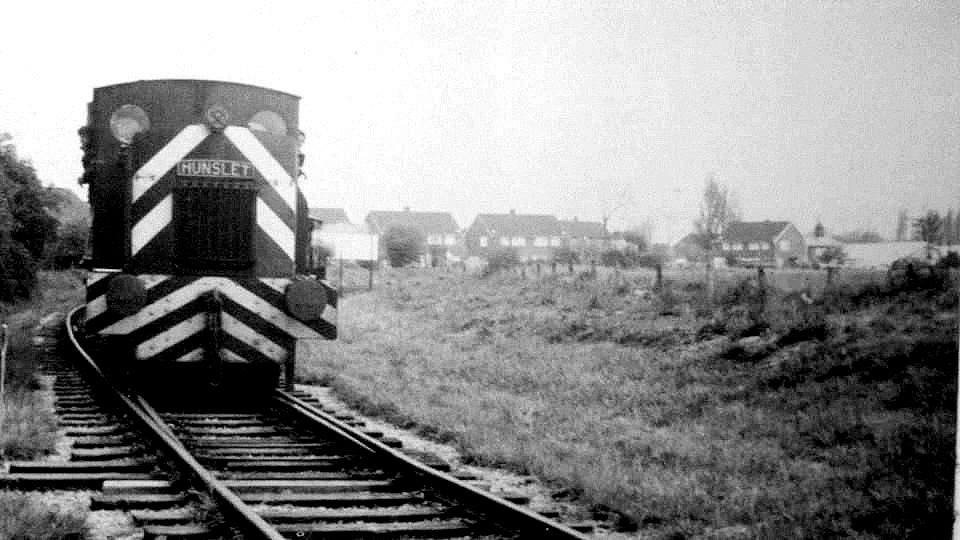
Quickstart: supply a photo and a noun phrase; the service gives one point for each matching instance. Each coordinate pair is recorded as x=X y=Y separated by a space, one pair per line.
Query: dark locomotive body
x=200 y=235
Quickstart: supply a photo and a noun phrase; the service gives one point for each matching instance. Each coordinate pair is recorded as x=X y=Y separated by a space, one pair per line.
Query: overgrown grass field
x=28 y=427
x=729 y=420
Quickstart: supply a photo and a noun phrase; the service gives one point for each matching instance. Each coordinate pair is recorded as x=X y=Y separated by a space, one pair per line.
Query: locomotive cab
x=200 y=234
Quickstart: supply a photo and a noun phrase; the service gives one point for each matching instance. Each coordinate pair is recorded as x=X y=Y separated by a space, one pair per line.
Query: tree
x=929 y=227
x=404 y=245
x=819 y=231
x=716 y=211
x=903 y=221
x=26 y=224
x=638 y=238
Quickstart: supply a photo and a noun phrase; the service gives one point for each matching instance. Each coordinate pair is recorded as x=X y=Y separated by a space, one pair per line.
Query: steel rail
x=243 y=518
x=516 y=518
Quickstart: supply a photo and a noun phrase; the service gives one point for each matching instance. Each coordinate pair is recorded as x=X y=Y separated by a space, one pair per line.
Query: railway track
x=280 y=469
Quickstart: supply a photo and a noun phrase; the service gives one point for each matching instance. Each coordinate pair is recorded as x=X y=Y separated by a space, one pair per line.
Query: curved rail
x=242 y=517
x=529 y=524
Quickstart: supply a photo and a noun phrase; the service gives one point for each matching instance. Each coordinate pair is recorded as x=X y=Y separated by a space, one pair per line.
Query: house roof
x=329 y=215
x=753 y=231
x=426 y=222
x=582 y=229
x=517 y=224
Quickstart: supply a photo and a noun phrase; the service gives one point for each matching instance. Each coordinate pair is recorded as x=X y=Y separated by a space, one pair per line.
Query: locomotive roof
x=204 y=81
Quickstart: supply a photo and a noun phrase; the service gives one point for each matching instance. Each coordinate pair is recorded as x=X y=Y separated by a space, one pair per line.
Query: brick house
x=585 y=237
x=438 y=229
x=532 y=236
x=764 y=243
x=328 y=216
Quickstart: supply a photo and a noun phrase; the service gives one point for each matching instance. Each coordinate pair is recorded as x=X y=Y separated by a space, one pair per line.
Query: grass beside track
x=28 y=429
x=833 y=422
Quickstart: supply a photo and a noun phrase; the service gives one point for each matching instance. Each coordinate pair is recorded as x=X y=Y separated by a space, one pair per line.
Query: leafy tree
x=70 y=245
x=637 y=238
x=404 y=245
x=565 y=255
x=928 y=228
x=819 y=231
x=26 y=224
x=717 y=209
x=833 y=255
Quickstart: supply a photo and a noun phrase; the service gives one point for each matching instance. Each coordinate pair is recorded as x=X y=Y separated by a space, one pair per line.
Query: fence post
x=762 y=284
x=659 y=282
x=830 y=272
x=3 y=373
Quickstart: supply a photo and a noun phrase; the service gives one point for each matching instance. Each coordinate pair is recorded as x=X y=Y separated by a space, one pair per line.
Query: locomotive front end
x=200 y=235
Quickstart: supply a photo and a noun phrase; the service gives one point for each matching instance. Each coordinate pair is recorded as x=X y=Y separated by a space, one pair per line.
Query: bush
x=565 y=255
x=501 y=259
x=950 y=260
x=615 y=258
x=404 y=245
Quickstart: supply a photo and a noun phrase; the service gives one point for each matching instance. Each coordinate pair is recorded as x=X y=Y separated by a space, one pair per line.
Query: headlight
x=127 y=121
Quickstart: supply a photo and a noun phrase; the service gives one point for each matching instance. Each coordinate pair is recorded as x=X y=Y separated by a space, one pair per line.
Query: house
x=584 y=236
x=439 y=230
x=882 y=254
x=819 y=246
x=328 y=216
x=534 y=237
x=764 y=243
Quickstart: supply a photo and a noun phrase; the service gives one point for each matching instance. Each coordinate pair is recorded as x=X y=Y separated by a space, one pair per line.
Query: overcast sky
x=843 y=111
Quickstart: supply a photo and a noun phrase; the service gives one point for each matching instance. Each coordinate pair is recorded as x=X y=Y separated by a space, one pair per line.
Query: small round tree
x=404 y=245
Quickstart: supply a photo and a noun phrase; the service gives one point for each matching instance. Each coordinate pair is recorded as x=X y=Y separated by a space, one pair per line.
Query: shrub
x=501 y=259
x=404 y=245
x=615 y=258
x=950 y=260
x=566 y=255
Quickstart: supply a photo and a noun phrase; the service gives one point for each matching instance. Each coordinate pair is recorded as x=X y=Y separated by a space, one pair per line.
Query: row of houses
x=532 y=236
x=780 y=243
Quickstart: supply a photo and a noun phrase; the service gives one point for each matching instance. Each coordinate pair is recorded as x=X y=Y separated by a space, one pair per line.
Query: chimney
x=575 y=219
x=513 y=212
x=406 y=208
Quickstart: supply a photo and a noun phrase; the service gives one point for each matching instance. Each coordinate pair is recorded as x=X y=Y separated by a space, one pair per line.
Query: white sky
x=844 y=111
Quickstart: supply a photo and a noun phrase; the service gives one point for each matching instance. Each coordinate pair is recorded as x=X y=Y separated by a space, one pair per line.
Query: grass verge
x=844 y=431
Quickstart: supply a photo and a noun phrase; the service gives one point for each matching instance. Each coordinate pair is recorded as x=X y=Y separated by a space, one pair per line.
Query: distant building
x=585 y=237
x=532 y=236
x=328 y=216
x=439 y=230
x=764 y=243
x=882 y=254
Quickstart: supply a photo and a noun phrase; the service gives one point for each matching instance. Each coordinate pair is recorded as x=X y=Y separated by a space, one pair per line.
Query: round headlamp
x=127 y=121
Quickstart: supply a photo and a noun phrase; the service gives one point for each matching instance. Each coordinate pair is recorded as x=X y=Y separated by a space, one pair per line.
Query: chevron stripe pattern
x=152 y=198
x=170 y=327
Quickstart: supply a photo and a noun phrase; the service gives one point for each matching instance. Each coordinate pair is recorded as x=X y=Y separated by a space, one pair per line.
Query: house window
x=435 y=239
x=450 y=239
x=483 y=241
x=754 y=246
x=556 y=241
x=505 y=241
x=736 y=246
x=519 y=241
x=764 y=245
x=785 y=244
x=541 y=241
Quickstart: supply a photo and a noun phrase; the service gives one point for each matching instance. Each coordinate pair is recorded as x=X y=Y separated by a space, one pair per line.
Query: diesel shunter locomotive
x=199 y=271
